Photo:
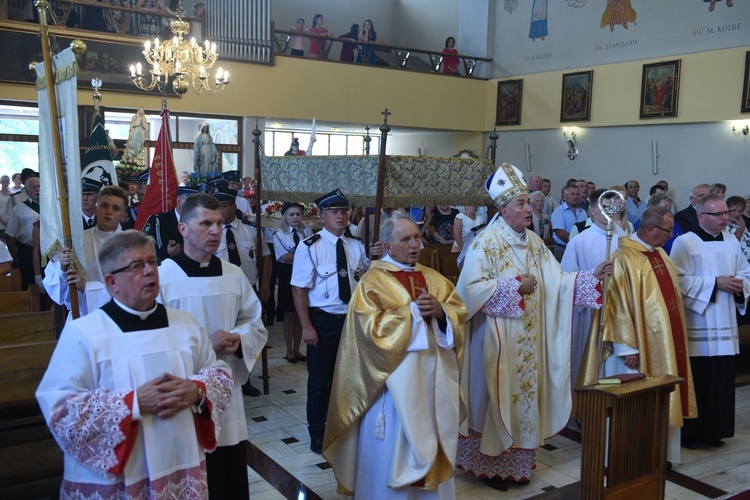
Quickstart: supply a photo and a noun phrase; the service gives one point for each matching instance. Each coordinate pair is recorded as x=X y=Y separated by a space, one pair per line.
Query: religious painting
x=746 y=86
x=575 y=105
x=660 y=87
x=509 y=96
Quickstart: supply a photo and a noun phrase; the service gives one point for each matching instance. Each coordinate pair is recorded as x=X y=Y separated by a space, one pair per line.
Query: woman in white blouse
x=462 y=226
x=285 y=242
x=541 y=221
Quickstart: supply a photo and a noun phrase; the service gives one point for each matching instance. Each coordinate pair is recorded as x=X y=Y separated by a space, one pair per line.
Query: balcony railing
x=380 y=54
x=241 y=30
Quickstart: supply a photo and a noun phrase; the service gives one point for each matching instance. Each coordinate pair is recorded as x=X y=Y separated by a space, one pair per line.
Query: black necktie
x=295 y=236
x=345 y=292
x=234 y=254
x=90 y=223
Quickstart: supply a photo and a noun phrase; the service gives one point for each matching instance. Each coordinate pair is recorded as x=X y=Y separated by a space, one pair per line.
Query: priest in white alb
x=516 y=370
x=222 y=300
x=715 y=284
x=393 y=415
x=134 y=393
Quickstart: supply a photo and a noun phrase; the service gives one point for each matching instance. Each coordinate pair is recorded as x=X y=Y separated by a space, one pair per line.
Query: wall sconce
x=571 y=144
x=745 y=130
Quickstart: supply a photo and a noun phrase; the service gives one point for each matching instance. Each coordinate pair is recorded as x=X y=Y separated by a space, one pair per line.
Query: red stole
x=675 y=321
x=413 y=281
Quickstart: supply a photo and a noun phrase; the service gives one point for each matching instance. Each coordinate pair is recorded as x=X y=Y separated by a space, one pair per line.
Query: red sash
x=413 y=281
x=675 y=321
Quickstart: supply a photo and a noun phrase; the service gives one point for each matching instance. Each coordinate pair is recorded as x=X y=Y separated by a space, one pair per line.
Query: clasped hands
x=429 y=307
x=730 y=284
x=224 y=342
x=167 y=395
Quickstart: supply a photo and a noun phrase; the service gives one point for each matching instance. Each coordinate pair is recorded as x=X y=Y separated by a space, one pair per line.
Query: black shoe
x=689 y=444
x=316 y=444
x=249 y=390
x=268 y=322
x=290 y=360
x=302 y=358
x=496 y=483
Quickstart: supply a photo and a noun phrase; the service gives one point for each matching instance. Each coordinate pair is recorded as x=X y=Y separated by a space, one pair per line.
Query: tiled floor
x=282 y=465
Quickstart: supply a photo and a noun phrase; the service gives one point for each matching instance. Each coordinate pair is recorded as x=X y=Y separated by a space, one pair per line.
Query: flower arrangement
x=309 y=210
x=137 y=161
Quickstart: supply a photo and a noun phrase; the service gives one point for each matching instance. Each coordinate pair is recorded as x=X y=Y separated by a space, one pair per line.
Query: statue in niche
x=206 y=159
x=138 y=132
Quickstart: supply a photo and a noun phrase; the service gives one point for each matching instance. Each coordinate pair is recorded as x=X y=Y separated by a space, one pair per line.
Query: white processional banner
x=51 y=234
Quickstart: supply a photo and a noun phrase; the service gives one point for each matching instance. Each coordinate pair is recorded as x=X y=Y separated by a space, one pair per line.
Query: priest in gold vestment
x=644 y=328
x=516 y=370
x=393 y=416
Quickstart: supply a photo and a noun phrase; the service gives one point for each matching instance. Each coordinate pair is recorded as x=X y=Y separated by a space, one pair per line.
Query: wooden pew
x=27 y=327
x=11 y=282
x=446 y=263
x=425 y=254
x=31 y=463
x=20 y=302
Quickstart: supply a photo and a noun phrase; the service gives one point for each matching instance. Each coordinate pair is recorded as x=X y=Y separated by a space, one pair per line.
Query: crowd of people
x=409 y=376
x=356 y=44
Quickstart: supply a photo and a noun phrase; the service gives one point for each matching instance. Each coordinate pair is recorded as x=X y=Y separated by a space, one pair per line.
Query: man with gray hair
x=687 y=218
x=644 y=328
x=128 y=378
x=518 y=387
x=393 y=417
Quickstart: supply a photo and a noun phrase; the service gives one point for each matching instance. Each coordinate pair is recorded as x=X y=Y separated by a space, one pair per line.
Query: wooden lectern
x=638 y=416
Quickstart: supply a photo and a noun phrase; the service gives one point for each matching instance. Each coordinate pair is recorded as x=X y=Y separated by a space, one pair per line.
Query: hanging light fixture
x=181 y=61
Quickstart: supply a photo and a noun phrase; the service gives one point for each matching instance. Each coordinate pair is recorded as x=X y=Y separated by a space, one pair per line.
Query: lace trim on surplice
x=586 y=293
x=506 y=301
x=87 y=427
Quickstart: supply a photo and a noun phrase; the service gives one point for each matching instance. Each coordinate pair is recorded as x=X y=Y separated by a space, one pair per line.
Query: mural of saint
x=618 y=12
x=712 y=4
x=538 y=27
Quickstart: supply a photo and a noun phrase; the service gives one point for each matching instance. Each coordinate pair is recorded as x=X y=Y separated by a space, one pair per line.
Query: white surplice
x=83 y=398
x=225 y=302
x=711 y=326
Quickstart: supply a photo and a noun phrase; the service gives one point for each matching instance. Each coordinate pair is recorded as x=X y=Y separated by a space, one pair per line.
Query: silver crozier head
x=611 y=203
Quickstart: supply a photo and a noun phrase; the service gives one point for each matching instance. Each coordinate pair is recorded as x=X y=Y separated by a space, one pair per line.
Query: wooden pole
x=41 y=6
x=258 y=229
x=493 y=145
x=384 y=129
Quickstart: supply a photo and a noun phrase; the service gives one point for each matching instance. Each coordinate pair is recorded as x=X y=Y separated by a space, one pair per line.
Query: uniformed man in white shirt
x=327 y=267
x=20 y=229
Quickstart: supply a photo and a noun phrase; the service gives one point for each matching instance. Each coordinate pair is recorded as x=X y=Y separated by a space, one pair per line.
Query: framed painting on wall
x=746 y=86
x=660 y=85
x=509 y=97
x=575 y=105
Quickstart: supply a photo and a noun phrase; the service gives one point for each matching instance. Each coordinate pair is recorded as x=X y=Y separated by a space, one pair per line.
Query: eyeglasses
x=716 y=214
x=670 y=230
x=136 y=267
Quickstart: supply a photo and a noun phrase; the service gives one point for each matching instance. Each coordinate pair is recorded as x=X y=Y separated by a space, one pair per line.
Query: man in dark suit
x=163 y=227
x=687 y=218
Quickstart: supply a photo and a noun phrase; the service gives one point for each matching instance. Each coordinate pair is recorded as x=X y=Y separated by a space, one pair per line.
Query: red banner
x=161 y=192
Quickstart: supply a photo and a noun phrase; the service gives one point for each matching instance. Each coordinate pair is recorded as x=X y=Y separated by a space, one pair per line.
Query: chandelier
x=180 y=61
